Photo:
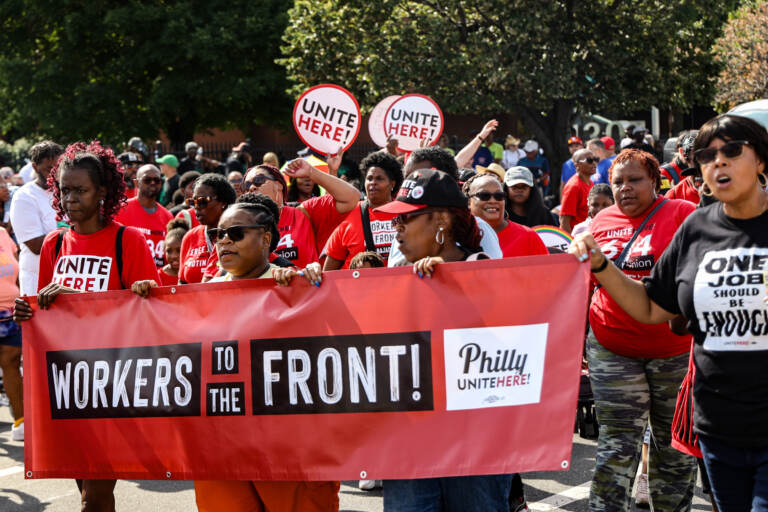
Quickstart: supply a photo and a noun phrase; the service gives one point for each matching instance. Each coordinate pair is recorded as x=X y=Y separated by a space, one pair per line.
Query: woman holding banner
x=434 y=226
x=246 y=235
x=713 y=274
x=88 y=190
x=304 y=230
x=365 y=228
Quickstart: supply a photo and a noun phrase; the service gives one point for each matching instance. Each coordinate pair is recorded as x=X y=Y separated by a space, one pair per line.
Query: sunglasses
x=730 y=149
x=405 y=218
x=591 y=160
x=152 y=181
x=235 y=233
x=259 y=180
x=486 y=196
x=198 y=202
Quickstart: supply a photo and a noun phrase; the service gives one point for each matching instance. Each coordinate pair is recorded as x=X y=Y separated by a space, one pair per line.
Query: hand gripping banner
x=376 y=374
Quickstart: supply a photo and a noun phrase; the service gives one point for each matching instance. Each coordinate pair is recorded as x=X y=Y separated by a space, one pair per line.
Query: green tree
x=544 y=60
x=75 y=69
x=743 y=52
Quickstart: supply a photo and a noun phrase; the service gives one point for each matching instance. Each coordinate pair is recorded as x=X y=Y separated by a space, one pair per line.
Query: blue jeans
x=449 y=494
x=739 y=476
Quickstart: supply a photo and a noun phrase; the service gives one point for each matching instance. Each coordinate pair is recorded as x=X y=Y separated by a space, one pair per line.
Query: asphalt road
x=558 y=490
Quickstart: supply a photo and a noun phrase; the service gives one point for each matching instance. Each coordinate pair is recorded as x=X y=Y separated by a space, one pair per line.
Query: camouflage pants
x=627 y=391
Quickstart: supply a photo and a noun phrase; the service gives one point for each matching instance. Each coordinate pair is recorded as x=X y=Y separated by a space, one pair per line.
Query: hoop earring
x=763 y=181
x=440 y=236
x=101 y=203
x=705 y=191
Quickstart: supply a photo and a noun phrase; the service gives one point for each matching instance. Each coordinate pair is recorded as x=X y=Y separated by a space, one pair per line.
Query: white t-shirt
x=31 y=216
x=489 y=243
x=27 y=172
x=511 y=158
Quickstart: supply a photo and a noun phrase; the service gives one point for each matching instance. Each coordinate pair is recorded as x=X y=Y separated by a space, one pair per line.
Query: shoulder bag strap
x=366 y=217
x=119 y=254
x=620 y=260
x=59 y=241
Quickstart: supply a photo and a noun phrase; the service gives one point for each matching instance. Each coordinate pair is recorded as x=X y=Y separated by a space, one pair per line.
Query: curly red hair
x=104 y=169
x=644 y=159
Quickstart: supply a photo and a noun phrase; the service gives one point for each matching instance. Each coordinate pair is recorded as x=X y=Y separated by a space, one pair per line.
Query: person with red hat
x=569 y=167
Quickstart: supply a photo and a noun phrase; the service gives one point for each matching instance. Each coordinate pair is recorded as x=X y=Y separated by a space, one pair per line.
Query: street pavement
x=546 y=491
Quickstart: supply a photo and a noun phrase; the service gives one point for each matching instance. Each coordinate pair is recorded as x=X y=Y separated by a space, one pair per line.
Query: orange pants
x=245 y=496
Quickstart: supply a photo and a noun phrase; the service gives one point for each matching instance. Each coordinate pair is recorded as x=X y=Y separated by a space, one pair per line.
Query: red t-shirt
x=575 y=204
x=518 y=240
x=130 y=193
x=613 y=327
x=348 y=239
x=196 y=250
x=324 y=217
x=167 y=279
x=151 y=225
x=684 y=190
x=87 y=262
x=297 y=240
x=189 y=216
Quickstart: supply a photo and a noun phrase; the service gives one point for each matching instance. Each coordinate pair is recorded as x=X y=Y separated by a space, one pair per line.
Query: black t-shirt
x=712 y=273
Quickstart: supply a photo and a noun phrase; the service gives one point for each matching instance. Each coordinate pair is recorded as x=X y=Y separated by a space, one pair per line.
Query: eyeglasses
x=486 y=196
x=405 y=218
x=591 y=160
x=151 y=181
x=198 y=202
x=236 y=181
x=235 y=233
x=259 y=180
x=730 y=149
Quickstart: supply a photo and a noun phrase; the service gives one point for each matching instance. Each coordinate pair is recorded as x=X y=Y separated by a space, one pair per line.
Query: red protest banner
x=376 y=374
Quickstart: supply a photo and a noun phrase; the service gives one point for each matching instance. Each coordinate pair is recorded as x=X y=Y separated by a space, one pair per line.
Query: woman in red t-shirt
x=635 y=369
x=212 y=194
x=304 y=230
x=486 y=200
x=88 y=192
x=383 y=177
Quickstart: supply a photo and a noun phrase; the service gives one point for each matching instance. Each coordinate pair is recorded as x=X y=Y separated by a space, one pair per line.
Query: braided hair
x=264 y=211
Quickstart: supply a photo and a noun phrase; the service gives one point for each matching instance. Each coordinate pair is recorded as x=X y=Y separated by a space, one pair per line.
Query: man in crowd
x=597 y=147
x=32 y=215
x=537 y=164
x=483 y=155
x=146 y=214
x=235 y=178
x=169 y=166
x=131 y=163
x=574 y=208
x=672 y=172
x=569 y=169
x=496 y=149
x=690 y=178
x=189 y=162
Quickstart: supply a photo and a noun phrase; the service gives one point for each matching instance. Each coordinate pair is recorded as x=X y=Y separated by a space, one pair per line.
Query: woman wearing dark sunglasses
x=304 y=230
x=212 y=194
x=245 y=237
x=713 y=274
x=486 y=200
x=434 y=226
x=573 y=206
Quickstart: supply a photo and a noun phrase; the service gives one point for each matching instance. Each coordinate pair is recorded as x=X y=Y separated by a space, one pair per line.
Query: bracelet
x=602 y=266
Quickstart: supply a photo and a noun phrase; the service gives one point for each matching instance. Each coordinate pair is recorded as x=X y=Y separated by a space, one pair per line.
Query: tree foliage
x=542 y=59
x=743 y=52
x=76 y=69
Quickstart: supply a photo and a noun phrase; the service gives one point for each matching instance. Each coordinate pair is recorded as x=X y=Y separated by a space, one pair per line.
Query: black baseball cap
x=128 y=157
x=423 y=188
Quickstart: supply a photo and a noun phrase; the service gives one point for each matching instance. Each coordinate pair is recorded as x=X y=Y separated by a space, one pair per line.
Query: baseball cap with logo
x=168 y=160
x=128 y=157
x=609 y=143
x=575 y=140
x=517 y=175
x=423 y=188
x=531 y=146
x=493 y=168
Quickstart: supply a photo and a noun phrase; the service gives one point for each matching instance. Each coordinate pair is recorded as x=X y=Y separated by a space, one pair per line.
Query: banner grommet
x=167 y=474
x=363 y=475
x=356 y=274
x=29 y=474
x=564 y=464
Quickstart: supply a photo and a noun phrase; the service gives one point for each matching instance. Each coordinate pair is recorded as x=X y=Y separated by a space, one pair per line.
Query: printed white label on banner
x=327 y=118
x=376 y=121
x=83 y=273
x=413 y=118
x=728 y=297
x=494 y=366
